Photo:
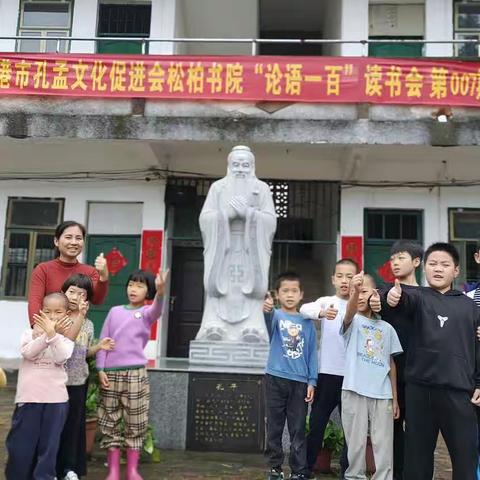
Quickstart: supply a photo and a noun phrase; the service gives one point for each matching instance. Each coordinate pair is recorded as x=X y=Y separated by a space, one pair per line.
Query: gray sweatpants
x=357 y=413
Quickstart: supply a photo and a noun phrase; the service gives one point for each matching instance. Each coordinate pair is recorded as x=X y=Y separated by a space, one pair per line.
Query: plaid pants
x=127 y=399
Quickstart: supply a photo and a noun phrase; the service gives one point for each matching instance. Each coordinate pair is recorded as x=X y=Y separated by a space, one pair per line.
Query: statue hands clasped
x=238 y=207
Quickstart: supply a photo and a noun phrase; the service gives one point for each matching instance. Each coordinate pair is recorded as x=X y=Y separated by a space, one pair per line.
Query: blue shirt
x=293 y=347
x=370 y=344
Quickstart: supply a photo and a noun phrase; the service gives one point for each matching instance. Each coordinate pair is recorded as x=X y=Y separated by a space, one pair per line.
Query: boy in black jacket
x=405 y=258
x=443 y=368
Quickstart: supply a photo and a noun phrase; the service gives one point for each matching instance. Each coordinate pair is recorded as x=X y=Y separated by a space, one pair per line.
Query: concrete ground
x=178 y=465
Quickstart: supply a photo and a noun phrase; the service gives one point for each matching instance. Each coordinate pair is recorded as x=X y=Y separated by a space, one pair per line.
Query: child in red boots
x=125 y=392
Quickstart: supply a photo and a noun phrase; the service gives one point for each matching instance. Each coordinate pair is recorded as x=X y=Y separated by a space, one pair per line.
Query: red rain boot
x=113 y=458
x=132 y=464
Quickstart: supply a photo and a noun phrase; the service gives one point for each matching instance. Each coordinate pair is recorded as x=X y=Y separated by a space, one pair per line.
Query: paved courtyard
x=176 y=465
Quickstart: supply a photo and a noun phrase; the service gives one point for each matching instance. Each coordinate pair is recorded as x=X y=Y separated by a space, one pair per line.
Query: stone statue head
x=241 y=162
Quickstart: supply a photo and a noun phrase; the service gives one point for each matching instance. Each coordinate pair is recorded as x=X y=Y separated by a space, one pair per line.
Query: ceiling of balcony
x=304 y=162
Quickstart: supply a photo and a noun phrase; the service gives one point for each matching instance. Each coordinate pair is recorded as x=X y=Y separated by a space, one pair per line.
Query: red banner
x=260 y=78
x=352 y=247
x=151 y=259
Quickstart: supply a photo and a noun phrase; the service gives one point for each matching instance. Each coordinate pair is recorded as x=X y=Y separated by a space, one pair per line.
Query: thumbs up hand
x=160 y=281
x=331 y=312
x=102 y=267
x=268 y=303
x=357 y=281
x=394 y=294
x=375 y=302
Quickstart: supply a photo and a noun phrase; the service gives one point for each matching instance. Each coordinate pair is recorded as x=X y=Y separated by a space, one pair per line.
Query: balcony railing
x=253 y=42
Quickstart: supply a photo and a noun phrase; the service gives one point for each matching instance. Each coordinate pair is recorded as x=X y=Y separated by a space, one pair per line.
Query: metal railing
x=253 y=42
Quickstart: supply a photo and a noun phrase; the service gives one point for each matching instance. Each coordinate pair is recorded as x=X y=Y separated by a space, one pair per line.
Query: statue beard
x=240 y=186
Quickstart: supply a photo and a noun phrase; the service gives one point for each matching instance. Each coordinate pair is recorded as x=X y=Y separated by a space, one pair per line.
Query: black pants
x=72 y=453
x=32 y=443
x=285 y=400
x=449 y=411
x=328 y=395
x=399 y=434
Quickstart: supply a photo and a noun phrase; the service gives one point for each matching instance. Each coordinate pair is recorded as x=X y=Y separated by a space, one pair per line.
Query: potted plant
x=91 y=406
x=332 y=445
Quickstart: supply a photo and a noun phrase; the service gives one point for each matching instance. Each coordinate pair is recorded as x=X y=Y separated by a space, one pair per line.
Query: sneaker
x=71 y=475
x=275 y=474
x=298 y=476
x=310 y=476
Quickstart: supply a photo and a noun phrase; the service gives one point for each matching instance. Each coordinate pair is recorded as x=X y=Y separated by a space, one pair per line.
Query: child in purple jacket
x=124 y=387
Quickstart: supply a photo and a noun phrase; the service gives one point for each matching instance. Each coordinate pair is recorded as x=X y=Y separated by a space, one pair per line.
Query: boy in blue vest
x=291 y=377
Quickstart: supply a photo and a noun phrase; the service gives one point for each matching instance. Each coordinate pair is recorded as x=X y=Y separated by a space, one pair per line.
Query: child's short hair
x=414 y=249
x=59 y=295
x=347 y=261
x=81 y=281
x=443 y=247
x=372 y=280
x=289 y=276
x=146 y=277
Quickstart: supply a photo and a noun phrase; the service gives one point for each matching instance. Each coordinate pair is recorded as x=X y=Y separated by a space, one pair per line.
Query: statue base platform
x=207 y=408
x=234 y=354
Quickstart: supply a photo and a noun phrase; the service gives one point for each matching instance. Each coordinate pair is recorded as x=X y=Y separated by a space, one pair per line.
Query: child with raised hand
x=71 y=460
x=405 y=258
x=42 y=398
x=443 y=367
x=124 y=387
x=369 y=390
x=291 y=376
x=331 y=356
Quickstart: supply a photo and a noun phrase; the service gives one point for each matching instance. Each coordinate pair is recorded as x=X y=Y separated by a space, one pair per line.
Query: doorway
x=128 y=246
x=305 y=241
x=187 y=297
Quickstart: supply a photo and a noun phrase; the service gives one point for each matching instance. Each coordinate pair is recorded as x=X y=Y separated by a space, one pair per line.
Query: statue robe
x=236 y=253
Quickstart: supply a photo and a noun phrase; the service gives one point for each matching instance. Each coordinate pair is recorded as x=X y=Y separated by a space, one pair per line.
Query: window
x=382 y=229
x=467 y=26
x=400 y=21
x=44 y=19
x=392 y=225
x=464 y=227
x=123 y=20
x=464 y=224
x=29 y=236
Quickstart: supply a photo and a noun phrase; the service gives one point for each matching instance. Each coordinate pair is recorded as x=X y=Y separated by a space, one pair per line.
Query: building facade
x=346 y=178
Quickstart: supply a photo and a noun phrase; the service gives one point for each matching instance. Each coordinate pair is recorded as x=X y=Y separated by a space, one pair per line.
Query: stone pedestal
x=228 y=354
x=207 y=408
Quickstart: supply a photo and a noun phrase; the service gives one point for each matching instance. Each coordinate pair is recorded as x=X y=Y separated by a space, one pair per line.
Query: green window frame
x=124 y=19
x=465 y=28
x=46 y=28
x=383 y=230
x=463 y=232
x=27 y=242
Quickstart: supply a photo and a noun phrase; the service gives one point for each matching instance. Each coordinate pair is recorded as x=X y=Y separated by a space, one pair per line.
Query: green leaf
x=148 y=445
x=156 y=456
